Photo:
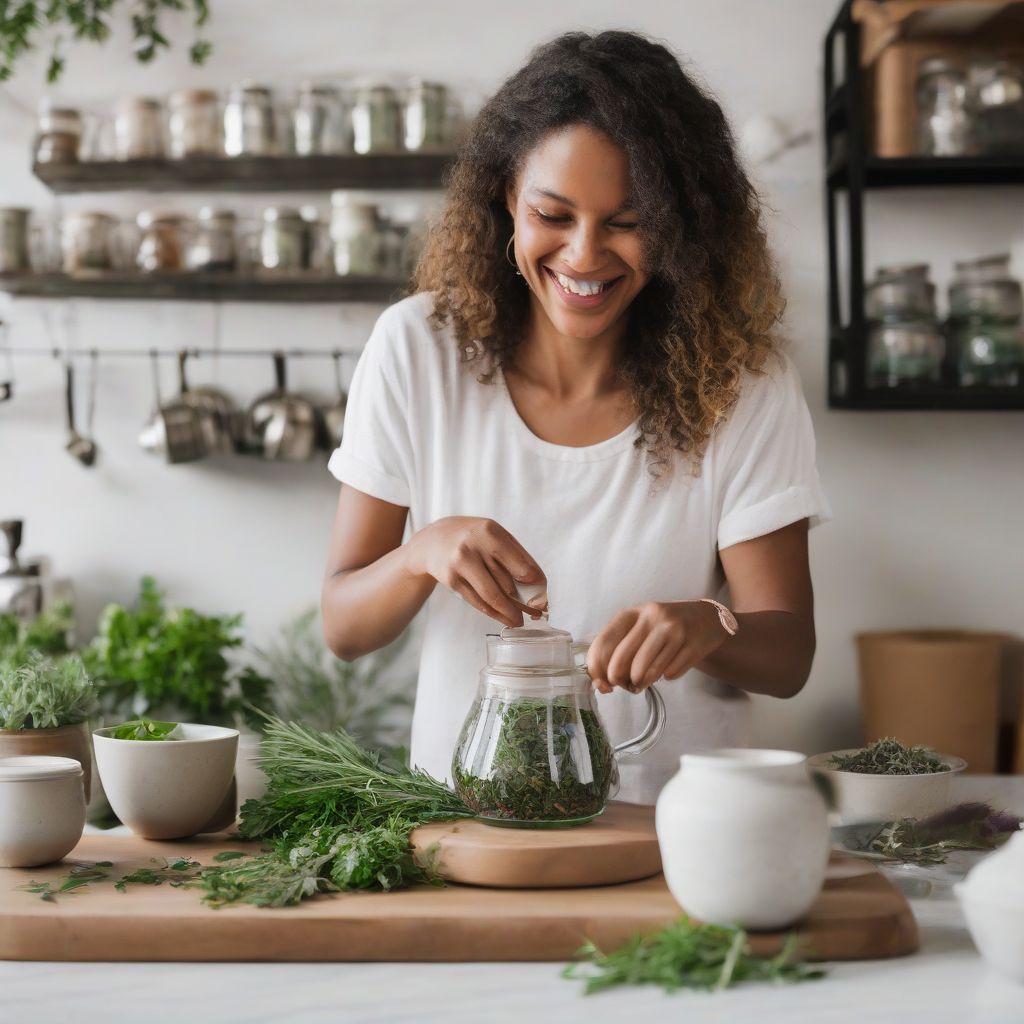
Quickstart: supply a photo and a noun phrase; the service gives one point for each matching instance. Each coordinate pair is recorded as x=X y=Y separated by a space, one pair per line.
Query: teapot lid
x=530 y=647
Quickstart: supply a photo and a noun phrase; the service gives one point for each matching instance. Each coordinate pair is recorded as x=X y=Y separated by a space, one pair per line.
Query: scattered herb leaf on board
x=146 y=729
x=687 y=955
x=889 y=757
x=335 y=816
x=228 y=855
x=180 y=872
x=68 y=885
x=549 y=762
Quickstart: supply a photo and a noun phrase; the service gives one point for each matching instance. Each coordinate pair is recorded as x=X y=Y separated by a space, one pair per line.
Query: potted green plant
x=44 y=706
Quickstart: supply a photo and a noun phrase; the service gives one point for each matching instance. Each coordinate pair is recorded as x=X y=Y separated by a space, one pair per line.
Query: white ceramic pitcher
x=744 y=837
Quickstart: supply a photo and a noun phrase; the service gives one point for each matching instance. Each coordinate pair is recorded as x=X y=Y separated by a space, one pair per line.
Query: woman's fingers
x=507 y=584
x=474 y=571
x=468 y=592
x=507 y=551
x=604 y=646
x=653 y=657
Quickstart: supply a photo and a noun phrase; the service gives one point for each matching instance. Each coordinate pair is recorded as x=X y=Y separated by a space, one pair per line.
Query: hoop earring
x=508 y=255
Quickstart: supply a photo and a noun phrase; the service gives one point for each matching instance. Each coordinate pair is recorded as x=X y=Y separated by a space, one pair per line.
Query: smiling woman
x=584 y=407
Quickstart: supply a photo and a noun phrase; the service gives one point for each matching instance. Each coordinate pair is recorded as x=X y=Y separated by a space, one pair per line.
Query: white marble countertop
x=945 y=981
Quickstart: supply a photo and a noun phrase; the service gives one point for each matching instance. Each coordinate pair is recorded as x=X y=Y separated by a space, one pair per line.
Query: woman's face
x=577 y=241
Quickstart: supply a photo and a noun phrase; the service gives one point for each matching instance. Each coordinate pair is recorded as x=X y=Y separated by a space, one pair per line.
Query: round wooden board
x=618 y=846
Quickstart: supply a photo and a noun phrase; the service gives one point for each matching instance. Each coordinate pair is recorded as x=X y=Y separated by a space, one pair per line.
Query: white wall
x=928 y=506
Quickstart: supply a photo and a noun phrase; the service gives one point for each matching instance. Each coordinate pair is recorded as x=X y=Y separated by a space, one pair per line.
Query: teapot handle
x=655 y=726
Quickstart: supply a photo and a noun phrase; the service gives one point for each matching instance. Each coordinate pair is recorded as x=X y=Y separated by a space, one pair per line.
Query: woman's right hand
x=481 y=562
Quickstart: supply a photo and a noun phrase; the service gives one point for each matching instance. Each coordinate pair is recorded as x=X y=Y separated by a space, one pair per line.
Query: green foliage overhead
x=23 y=22
x=44 y=693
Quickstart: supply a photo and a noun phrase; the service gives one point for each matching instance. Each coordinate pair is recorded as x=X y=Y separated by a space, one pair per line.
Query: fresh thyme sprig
x=687 y=955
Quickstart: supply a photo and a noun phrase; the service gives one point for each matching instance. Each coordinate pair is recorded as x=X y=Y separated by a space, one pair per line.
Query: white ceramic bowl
x=861 y=798
x=992 y=896
x=42 y=809
x=170 y=789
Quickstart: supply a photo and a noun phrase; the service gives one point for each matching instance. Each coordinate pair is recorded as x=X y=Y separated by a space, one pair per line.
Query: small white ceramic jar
x=42 y=809
x=744 y=837
x=992 y=896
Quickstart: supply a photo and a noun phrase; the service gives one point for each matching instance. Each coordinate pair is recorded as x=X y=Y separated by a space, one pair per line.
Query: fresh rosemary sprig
x=336 y=817
x=687 y=955
x=889 y=757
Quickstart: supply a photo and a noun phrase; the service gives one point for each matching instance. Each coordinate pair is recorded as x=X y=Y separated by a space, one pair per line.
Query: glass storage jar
x=212 y=243
x=985 y=288
x=86 y=241
x=995 y=98
x=904 y=354
x=900 y=291
x=943 y=126
x=162 y=243
x=193 y=124
x=59 y=135
x=249 y=121
x=138 y=129
x=376 y=119
x=427 y=117
x=533 y=752
x=355 y=236
x=318 y=121
x=283 y=240
x=14 y=223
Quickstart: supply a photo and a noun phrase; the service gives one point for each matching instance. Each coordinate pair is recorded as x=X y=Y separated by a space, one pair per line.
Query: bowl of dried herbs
x=886 y=781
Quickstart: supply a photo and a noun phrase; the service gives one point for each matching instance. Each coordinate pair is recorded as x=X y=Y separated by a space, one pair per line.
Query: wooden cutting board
x=858 y=915
x=619 y=846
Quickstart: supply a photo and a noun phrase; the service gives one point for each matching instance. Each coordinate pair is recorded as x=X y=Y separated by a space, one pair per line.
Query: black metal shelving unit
x=850 y=172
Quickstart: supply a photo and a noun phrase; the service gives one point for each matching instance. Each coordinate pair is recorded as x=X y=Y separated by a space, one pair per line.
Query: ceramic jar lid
x=33 y=768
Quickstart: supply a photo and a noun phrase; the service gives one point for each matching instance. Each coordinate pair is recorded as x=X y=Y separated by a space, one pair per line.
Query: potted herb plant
x=44 y=705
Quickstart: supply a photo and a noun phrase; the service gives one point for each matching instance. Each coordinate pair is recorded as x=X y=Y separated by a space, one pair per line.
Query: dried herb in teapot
x=539 y=769
x=889 y=757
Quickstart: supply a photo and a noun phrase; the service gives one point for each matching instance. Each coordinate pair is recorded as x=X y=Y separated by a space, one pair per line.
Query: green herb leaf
x=146 y=729
x=228 y=855
x=686 y=955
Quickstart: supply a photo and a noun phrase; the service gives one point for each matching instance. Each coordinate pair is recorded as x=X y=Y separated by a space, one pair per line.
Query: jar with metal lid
x=943 y=125
x=355 y=236
x=988 y=354
x=904 y=354
x=984 y=289
x=86 y=241
x=42 y=809
x=427 y=117
x=900 y=291
x=138 y=129
x=212 y=244
x=318 y=121
x=193 y=124
x=376 y=119
x=14 y=222
x=59 y=135
x=995 y=98
x=283 y=240
x=163 y=242
x=249 y=121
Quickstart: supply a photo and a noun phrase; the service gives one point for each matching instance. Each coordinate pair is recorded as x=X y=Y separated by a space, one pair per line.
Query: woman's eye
x=623 y=226
x=550 y=219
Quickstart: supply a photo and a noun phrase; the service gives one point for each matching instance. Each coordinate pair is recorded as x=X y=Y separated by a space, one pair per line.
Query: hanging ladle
x=82 y=448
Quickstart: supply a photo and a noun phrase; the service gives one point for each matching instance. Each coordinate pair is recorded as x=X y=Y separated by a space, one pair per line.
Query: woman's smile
x=580 y=293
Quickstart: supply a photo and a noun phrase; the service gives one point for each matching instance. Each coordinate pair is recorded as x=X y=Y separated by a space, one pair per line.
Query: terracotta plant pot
x=64 y=741
x=935 y=687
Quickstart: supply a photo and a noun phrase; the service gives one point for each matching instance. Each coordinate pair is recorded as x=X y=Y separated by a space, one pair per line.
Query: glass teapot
x=533 y=752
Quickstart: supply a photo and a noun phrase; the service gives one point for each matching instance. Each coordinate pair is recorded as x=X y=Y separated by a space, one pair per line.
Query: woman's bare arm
x=375 y=584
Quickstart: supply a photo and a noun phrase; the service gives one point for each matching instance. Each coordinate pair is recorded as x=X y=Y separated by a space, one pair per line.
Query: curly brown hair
x=713 y=300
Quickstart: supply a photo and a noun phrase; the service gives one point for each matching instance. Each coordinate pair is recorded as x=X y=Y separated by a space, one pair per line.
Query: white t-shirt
x=423 y=432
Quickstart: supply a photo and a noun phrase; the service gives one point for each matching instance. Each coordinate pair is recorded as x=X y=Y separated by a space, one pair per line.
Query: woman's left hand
x=653 y=640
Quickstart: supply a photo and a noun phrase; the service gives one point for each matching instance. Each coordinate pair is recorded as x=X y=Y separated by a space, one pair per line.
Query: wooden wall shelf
x=250 y=174
x=203 y=287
